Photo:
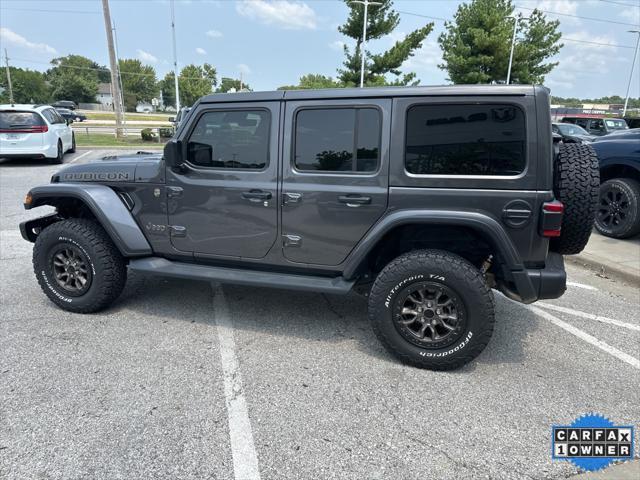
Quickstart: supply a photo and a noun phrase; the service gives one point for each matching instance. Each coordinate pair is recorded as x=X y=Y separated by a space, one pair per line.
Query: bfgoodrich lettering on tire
x=432 y=309
x=77 y=266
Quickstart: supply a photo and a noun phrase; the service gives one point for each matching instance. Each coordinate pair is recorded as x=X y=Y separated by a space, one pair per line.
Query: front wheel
x=77 y=266
x=432 y=309
x=73 y=143
x=618 y=212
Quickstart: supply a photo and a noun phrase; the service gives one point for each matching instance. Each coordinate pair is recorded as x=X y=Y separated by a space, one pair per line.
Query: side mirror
x=172 y=119
x=173 y=154
x=69 y=121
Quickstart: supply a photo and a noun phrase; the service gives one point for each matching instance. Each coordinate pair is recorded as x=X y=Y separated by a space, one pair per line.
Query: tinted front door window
x=230 y=139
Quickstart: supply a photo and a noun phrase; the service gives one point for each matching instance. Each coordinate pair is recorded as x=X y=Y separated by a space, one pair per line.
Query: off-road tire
x=59 y=158
x=108 y=267
x=576 y=184
x=73 y=143
x=629 y=192
x=435 y=267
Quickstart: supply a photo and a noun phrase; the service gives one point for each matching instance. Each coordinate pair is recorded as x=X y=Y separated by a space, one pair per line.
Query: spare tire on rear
x=576 y=182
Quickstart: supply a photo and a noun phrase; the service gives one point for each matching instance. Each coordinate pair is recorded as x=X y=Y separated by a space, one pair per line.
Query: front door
x=335 y=176
x=224 y=201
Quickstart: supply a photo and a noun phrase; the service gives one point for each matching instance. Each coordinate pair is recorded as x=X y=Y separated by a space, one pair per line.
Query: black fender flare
x=487 y=226
x=106 y=206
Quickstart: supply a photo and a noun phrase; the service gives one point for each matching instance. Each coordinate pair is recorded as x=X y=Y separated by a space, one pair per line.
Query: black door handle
x=256 y=195
x=354 y=200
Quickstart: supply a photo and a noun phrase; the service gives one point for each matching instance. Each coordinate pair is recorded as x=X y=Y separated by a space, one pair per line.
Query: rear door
x=224 y=201
x=335 y=176
x=59 y=126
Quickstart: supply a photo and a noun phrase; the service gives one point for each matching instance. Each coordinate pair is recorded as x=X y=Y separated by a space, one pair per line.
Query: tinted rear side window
x=337 y=140
x=465 y=140
x=15 y=119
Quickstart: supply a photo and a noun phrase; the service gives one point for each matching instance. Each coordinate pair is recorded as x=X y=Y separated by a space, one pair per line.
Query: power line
x=423 y=16
x=50 y=11
x=578 y=16
x=621 y=3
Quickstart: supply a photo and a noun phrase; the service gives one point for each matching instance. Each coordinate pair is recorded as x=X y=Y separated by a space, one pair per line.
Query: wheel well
x=68 y=207
x=463 y=241
x=619 y=171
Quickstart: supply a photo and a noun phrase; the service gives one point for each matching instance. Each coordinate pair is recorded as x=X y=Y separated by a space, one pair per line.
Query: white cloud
x=631 y=13
x=146 y=57
x=201 y=51
x=13 y=38
x=213 y=34
x=425 y=59
x=566 y=7
x=337 y=45
x=600 y=42
x=292 y=15
x=244 y=68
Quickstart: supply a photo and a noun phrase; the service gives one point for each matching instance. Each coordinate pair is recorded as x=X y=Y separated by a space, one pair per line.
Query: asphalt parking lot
x=192 y=380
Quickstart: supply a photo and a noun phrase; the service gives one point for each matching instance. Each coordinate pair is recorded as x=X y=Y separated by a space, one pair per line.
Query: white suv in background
x=34 y=131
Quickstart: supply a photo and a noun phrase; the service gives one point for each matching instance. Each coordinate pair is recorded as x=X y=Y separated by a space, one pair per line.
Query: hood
x=140 y=167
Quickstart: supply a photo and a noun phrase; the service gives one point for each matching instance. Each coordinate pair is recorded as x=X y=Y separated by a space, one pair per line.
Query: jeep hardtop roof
x=337 y=93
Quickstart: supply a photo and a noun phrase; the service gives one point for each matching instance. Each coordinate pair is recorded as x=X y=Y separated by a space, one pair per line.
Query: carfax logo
x=592 y=442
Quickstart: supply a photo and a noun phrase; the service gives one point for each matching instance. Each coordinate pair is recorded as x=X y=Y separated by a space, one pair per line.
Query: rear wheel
x=73 y=143
x=576 y=183
x=77 y=266
x=432 y=309
x=618 y=213
x=59 y=158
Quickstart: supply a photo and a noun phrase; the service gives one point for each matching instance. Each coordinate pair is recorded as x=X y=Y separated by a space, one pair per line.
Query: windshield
x=12 y=119
x=569 y=129
x=616 y=124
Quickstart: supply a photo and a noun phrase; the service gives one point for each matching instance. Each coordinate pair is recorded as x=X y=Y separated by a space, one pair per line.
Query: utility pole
x=363 y=52
x=6 y=62
x=175 y=57
x=124 y=120
x=516 y=20
x=115 y=86
x=633 y=64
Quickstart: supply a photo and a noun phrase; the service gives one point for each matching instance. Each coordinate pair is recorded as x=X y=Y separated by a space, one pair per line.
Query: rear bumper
x=538 y=284
x=48 y=151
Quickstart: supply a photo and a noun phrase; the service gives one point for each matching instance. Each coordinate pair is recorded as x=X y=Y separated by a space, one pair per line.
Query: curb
x=604 y=266
x=125 y=147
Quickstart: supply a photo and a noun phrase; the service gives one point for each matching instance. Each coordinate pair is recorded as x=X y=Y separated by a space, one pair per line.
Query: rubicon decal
x=96 y=176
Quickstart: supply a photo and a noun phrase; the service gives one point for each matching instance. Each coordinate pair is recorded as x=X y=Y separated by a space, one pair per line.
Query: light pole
x=633 y=64
x=516 y=20
x=363 y=52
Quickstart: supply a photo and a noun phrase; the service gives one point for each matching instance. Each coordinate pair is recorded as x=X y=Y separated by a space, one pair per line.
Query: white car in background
x=34 y=131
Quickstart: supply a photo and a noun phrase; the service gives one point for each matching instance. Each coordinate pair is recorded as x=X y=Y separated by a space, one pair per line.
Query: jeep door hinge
x=291 y=240
x=173 y=192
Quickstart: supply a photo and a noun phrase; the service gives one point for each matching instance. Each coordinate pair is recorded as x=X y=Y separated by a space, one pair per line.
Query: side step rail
x=163 y=267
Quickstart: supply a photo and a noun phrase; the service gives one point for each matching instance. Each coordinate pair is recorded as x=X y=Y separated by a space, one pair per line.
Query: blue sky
x=275 y=42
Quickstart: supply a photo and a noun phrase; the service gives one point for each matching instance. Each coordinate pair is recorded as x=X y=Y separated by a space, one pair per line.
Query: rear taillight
x=33 y=129
x=551 y=222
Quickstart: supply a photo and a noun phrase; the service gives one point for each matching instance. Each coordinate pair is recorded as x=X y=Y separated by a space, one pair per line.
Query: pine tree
x=476 y=45
x=381 y=21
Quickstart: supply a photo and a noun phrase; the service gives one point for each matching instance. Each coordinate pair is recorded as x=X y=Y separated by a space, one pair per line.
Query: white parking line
x=245 y=460
x=581 y=285
x=80 y=156
x=589 y=316
x=634 y=362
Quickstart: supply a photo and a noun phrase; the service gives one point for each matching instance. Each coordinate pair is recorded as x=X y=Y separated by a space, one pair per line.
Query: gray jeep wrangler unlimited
x=422 y=198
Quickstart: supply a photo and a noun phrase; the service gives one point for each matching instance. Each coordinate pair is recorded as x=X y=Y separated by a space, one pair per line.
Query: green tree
x=381 y=21
x=227 y=84
x=168 y=88
x=76 y=78
x=476 y=45
x=196 y=81
x=29 y=86
x=313 y=81
x=138 y=82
